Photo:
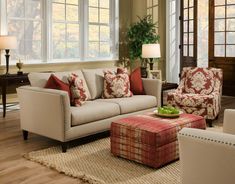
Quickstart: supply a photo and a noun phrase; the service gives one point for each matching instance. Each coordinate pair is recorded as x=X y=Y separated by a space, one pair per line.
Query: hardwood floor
x=14 y=169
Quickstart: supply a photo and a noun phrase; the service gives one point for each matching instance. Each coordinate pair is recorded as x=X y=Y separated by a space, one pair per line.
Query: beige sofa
x=47 y=112
x=208 y=157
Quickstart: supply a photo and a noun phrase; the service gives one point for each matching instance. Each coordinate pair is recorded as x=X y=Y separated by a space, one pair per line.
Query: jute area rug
x=94 y=164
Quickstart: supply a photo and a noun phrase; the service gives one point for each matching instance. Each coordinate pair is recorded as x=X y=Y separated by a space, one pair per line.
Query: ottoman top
x=152 y=130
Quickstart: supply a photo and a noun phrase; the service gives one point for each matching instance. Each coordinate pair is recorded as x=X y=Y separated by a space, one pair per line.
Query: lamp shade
x=151 y=51
x=8 y=42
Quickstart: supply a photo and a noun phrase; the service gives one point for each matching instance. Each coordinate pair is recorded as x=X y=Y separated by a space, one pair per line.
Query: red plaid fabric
x=150 y=140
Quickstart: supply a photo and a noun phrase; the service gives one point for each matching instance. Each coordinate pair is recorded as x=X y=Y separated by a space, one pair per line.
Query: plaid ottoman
x=149 y=139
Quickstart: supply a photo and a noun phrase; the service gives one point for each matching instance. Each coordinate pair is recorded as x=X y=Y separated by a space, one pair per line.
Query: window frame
x=47 y=53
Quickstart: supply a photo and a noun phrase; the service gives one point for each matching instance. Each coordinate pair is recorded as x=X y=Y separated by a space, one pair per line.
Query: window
x=25 y=21
x=62 y=30
x=152 y=9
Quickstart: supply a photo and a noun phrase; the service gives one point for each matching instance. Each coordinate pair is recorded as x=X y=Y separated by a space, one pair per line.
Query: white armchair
x=208 y=157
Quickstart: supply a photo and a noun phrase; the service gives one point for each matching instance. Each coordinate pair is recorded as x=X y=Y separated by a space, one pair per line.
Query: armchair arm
x=206 y=156
x=153 y=87
x=229 y=121
x=44 y=111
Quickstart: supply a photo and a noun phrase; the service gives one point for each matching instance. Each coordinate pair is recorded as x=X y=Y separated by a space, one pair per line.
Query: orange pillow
x=54 y=83
x=137 y=87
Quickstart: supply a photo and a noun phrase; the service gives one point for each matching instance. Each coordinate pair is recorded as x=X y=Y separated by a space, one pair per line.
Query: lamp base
x=19 y=73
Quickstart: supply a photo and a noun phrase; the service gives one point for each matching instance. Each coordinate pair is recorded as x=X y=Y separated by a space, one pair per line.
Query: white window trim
x=83 y=42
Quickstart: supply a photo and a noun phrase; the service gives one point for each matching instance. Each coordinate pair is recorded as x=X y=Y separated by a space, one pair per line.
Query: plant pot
x=144 y=73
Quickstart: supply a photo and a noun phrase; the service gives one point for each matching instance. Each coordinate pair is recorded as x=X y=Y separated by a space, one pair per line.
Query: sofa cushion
x=40 y=79
x=136 y=82
x=93 y=111
x=134 y=103
x=95 y=81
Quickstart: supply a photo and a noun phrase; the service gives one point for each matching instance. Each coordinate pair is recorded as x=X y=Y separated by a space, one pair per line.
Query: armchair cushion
x=199 y=81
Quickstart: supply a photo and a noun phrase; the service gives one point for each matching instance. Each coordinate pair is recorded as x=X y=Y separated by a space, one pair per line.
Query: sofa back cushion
x=40 y=79
x=199 y=81
x=95 y=81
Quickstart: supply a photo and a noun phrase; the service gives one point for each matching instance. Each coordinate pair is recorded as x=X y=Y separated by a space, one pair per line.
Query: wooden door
x=222 y=41
x=188 y=31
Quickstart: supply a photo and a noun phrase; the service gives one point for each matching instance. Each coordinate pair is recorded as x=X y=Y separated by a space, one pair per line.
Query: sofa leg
x=64 y=146
x=209 y=122
x=25 y=134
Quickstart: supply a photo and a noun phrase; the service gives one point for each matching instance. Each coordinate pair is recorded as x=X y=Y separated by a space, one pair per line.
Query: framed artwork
x=155 y=74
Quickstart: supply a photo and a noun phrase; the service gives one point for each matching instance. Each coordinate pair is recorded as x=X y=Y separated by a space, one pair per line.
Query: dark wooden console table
x=11 y=80
x=167 y=86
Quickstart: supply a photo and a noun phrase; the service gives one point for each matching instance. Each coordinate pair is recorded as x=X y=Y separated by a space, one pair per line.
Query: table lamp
x=7 y=43
x=151 y=51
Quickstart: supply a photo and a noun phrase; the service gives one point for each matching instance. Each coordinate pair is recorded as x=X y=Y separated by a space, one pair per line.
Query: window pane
x=149 y=3
x=185 y=3
x=230 y=1
x=93 y=49
x=104 y=49
x=191 y=38
x=58 y=1
x=93 y=3
x=104 y=33
x=191 y=13
x=219 y=50
x=231 y=11
x=58 y=31
x=155 y=14
x=33 y=49
x=220 y=38
x=230 y=51
x=191 y=26
x=58 y=49
x=93 y=33
x=220 y=12
x=71 y=13
x=75 y=2
x=185 y=26
x=72 y=50
x=73 y=32
x=33 y=30
x=185 y=50
x=191 y=50
x=230 y=24
x=33 y=9
x=155 y=2
x=191 y=3
x=220 y=25
x=104 y=16
x=231 y=38
x=15 y=8
x=186 y=14
x=185 y=38
x=219 y=2
x=93 y=15
x=16 y=28
x=58 y=11
x=104 y=3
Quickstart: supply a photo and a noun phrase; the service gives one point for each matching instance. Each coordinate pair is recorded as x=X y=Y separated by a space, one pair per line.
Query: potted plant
x=141 y=32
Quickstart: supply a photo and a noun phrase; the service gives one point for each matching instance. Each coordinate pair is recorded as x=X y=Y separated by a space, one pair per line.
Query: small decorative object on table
x=155 y=74
x=168 y=112
x=19 y=65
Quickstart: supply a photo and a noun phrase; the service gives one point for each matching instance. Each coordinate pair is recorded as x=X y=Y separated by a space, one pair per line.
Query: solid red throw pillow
x=137 y=87
x=54 y=83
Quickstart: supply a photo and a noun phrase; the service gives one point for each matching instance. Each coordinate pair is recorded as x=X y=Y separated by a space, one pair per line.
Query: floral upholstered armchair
x=199 y=92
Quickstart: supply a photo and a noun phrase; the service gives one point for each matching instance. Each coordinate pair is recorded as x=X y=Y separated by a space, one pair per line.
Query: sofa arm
x=206 y=156
x=153 y=87
x=229 y=124
x=44 y=111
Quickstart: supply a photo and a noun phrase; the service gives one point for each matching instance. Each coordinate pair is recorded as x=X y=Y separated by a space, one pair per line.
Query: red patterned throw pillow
x=54 y=83
x=78 y=92
x=116 y=85
x=137 y=87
